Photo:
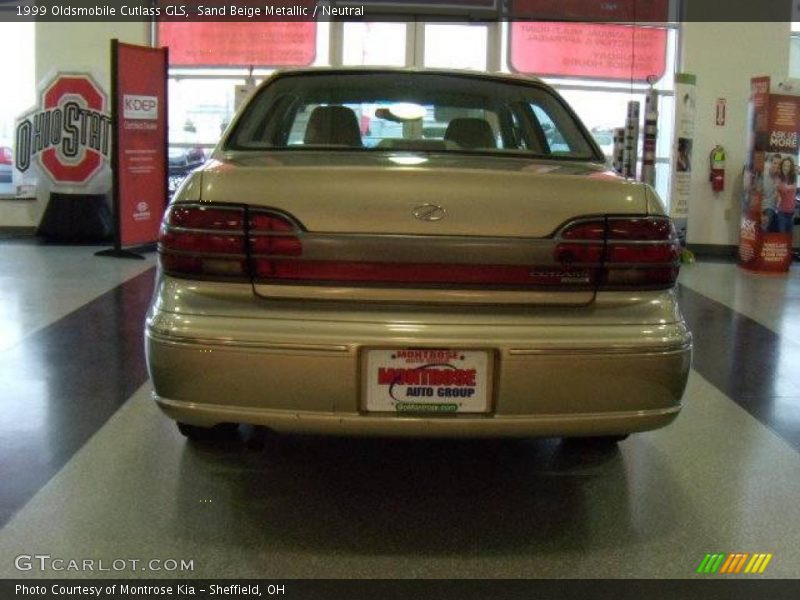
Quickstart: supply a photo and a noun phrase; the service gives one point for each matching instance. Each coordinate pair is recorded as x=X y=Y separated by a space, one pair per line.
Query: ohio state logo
x=70 y=135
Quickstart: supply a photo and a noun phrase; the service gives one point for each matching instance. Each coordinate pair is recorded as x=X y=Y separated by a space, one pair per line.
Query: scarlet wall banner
x=139 y=90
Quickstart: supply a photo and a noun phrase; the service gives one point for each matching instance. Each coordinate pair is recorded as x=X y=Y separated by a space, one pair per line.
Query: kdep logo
x=142 y=108
x=70 y=134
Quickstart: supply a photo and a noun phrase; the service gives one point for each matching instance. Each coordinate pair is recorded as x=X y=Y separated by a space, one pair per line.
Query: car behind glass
x=422 y=253
x=6 y=164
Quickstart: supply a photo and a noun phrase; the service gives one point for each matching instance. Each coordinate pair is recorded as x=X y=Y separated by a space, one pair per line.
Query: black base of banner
x=76 y=218
x=132 y=252
x=119 y=253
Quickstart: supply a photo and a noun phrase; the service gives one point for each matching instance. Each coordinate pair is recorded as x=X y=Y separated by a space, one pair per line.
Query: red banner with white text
x=140 y=151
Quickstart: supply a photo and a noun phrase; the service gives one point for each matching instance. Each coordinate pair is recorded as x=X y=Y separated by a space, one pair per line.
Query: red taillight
x=571 y=254
x=586 y=245
x=585 y=230
x=644 y=229
x=642 y=253
x=204 y=241
x=271 y=237
x=240 y=243
x=261 y=222
x=220 y=242
x=632 y=252
x=202 y=217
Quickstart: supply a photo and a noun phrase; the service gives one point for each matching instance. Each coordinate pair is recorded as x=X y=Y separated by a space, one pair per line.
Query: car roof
x=510 y=77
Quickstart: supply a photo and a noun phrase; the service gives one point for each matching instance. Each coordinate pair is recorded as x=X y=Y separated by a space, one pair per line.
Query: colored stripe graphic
x=734 y=563
x=740 y=564
x=728 y=563
x=711 y=563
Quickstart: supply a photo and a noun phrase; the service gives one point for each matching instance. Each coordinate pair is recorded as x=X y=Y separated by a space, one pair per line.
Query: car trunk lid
x=417 y=228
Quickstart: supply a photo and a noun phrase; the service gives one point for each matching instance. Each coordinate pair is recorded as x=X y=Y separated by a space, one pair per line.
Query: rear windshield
x=425 y=112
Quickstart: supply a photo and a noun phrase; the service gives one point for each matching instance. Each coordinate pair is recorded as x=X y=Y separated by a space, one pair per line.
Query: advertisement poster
x=770 y=183
x=685 y=84
x=140 y=159
x=256 y=44
x=596 y=50
x=66 y=140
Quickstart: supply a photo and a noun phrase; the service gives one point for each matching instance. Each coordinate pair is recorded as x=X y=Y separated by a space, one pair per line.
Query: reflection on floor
x=724 y=478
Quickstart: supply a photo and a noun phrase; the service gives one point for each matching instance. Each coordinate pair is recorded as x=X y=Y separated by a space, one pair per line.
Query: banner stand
x=134 y=251
x=129 y=253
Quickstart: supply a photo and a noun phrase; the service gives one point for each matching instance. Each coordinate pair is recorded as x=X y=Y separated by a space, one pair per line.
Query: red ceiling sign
x=588 y=50
x=639 y=11
x=225 y=44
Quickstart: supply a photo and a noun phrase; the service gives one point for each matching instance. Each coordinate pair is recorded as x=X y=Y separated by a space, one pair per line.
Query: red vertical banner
x=140 y=142
x=770 y=180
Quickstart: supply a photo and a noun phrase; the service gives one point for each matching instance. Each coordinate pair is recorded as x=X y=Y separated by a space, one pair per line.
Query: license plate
x=425 y=380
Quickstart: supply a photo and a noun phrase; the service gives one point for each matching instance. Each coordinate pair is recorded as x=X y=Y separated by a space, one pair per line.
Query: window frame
x=497 y=48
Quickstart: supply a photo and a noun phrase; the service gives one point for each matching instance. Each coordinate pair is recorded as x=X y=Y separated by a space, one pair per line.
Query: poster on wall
x=685 y=88
x=770 y=182
x=224 y=44
x=66 y=139
x=593 y=50
x=139 y=95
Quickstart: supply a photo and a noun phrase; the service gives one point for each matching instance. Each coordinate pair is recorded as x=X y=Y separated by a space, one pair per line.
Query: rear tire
x=600 y=440
x=196 y=433
x=609 y=439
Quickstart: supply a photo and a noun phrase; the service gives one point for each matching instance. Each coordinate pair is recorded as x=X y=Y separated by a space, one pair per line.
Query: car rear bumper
x=306 y=375
x=356 y=424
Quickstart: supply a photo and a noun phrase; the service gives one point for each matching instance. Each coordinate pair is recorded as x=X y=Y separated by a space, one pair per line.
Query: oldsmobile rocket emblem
x=429 y=212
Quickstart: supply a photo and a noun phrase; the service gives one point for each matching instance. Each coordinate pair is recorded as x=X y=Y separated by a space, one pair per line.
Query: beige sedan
x=420 y=253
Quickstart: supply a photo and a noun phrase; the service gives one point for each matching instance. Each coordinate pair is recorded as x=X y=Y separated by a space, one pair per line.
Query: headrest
x=470 y=133
x=333 y=126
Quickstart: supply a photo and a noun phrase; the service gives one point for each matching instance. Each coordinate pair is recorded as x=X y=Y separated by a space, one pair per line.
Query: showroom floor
x=91 y=470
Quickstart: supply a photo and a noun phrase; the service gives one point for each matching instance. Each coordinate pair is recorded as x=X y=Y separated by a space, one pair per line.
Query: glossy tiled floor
x=122 y=483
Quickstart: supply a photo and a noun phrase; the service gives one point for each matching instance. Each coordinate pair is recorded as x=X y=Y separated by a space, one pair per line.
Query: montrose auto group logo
x=69 y=134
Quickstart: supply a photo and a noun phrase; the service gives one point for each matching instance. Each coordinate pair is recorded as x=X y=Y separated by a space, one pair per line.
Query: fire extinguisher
x=717 y=173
